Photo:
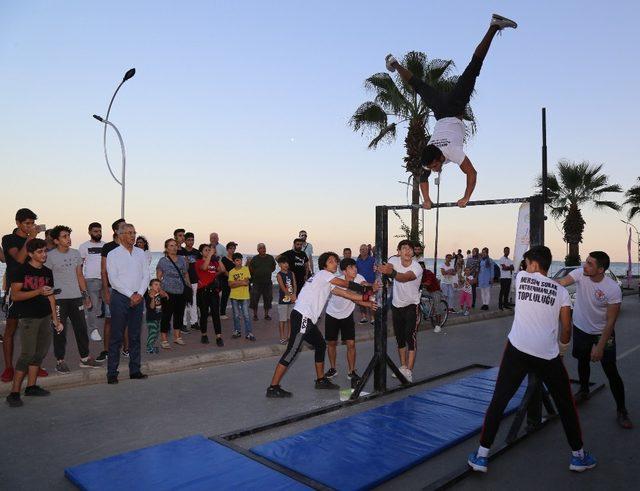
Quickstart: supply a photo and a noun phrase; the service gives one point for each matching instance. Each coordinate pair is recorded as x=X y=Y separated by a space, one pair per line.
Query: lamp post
x=637 y=240
x=129 y=74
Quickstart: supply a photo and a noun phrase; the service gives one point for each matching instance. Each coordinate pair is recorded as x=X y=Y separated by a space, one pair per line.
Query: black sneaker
x=37 y=391
x=125 y=353
x=275 y=391
x=138 y=376
x=102 y=356
x=582 y=395
x=353 y=375
x=332 y=372
x=219 y=342
x=13 y=400
x=185 y=330
x=325 y=383
x=204 y=339
x=112 y=379
x=250 y=337
x=236 y=334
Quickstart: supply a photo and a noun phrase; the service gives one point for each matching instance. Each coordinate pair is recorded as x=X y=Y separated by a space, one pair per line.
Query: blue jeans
x=241 y=308
x=123 y=316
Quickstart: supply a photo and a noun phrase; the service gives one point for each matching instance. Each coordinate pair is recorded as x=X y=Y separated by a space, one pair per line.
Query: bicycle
x=434 y=308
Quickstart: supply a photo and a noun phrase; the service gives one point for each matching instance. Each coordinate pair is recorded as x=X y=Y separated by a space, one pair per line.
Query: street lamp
x=130 y=73
x=637 y=240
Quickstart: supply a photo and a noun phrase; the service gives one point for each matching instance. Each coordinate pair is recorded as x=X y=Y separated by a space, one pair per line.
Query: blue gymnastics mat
x=364 y=450
x=193 y=463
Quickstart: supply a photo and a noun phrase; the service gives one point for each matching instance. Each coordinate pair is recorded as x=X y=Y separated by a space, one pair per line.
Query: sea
x=618 y=268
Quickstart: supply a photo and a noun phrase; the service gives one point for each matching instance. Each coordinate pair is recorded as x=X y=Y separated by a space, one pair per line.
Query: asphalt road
x=81 y=424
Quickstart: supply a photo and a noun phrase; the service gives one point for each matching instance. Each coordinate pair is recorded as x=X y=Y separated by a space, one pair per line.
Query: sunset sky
x=237 y=118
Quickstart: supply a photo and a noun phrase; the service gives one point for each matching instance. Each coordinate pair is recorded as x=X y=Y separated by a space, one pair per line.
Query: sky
x=237 y=118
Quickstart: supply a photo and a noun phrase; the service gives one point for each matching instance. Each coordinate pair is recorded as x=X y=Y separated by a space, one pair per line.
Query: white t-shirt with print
x=314 y=295
x=448 y=136
x=535 y=324
x=339 y=307
x=407 y=293
x=90 y=252
x=505 y=261
x=592 y=300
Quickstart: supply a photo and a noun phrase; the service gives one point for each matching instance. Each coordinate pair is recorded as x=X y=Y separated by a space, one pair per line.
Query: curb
x=88 y=376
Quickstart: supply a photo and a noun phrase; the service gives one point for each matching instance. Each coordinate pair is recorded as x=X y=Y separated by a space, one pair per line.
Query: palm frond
x=388 y=133
x=633 y=211
x=607 y=204
x=369 y=116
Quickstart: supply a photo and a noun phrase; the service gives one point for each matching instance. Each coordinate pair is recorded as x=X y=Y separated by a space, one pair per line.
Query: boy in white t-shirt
x=447 y=141
x=596 y=309
x=309 y=304
x=406 y=274
x=533 y=346
x=448 y=282
x=506 y=273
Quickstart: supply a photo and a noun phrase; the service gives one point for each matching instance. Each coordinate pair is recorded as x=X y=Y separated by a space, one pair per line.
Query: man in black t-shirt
x=298 y=263
x=191 y=254
x=106 y=293
x=14 y=246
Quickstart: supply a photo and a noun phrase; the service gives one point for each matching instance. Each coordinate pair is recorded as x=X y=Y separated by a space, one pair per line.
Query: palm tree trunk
x=415 y=217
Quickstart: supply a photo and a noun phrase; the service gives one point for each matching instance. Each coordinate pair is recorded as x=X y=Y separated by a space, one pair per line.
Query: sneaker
x=156 y=350
x=355 y=378
x=204 y=339
x=250 y=337
x=36 y=391
x=332 y=372
x=195 y=327
x=364 y=320
x=151 y=351
x=581 y=464
x=95 y=335
x=255 y=318
x=582 y=395
x=13 y=400
x=484 y=307
x=466 y=313
x=62 y=367
x=408 y=374
x=165 y=345
x=185 y=330
x=179 y=341
x=7 y=375
x=275 y=391
x=267 y=317
x=478 y=464
x=325 y=383
x=219 y=342
x=624 y=421
x=284 y=341
x=102 y=356
x=390 y=61
x=437 y=329
x=452 y=311
x=42 y=372
x=224 y=317
x=125 y=353
x=112 y=379
x=502 y=22
x=236 y=334
x=90 y=363
x=138 y=376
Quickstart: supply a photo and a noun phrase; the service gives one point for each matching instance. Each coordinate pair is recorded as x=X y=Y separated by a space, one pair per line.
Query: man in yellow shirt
x=239 y=278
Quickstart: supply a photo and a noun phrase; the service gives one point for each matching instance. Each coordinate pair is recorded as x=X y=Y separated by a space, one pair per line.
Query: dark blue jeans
x=123 y=316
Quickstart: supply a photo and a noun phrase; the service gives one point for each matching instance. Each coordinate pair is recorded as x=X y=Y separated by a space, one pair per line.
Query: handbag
x=187 y=291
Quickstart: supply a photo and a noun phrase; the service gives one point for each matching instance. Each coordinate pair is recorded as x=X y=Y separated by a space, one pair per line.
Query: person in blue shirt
x=365 y=264
x=485 y=278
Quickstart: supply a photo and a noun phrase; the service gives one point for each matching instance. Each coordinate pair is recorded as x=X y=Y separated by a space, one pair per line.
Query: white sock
x=578 y=453
x=482 y=451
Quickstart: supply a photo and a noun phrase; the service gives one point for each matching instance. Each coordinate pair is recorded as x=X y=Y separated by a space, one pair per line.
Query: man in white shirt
x=533 y=346
x=129 y=277
x=406 y=274
x=506 y=272
x=304 y=317
x=447 y=141
x=448 y=282
x=90 y=252
x=214 y=242
x=597 y=305
x=339 y=320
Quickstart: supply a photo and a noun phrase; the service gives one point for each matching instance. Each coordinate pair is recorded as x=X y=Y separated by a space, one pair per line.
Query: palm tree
x=633 y=200
x=395 y=103
x=574 y=186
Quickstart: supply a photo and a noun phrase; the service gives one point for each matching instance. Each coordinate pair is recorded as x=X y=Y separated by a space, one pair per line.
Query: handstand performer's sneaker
x=390 y=60
x=581 y=464
x=502 y=22
x=478 y=464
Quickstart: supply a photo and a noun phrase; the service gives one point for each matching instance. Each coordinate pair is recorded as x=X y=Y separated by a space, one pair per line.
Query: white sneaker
x=95 y=335
x=437 y=329
x=390 y=60
x=224 y=317
x=502 y=22
x=408 y=374
x=402 y=369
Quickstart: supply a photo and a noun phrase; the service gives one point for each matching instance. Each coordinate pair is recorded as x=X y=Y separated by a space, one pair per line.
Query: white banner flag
x=522 y=235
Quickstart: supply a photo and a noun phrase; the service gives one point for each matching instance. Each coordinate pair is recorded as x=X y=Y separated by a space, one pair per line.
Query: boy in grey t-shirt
x=66 y=265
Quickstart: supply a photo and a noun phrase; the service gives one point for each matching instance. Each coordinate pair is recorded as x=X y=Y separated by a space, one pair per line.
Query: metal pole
x=454 y=204
x=545 y=196
x=380 y=330
x=124 y=164
x=435 y=247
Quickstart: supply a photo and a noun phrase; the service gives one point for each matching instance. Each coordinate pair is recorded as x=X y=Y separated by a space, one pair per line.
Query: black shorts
x=584 y=342
x=346 y=327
